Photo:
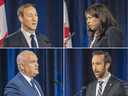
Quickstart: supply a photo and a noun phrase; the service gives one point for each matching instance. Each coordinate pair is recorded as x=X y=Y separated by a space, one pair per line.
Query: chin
x=33 y=28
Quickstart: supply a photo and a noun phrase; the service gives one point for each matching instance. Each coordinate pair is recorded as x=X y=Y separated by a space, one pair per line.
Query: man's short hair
x=107 y=57
x=21 y=58
x=21 y=8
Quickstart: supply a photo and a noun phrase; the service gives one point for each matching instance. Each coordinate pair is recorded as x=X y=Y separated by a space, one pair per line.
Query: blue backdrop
x=77 y=20
x=50 y=18
x=79 y=71
x=50 y=68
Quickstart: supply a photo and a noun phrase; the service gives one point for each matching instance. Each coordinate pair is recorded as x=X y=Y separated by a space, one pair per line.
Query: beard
x=100 y=73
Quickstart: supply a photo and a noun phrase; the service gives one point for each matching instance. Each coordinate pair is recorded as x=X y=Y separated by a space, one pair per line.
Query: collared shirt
x=29 y=79
x=105 y=80
x=28 y=38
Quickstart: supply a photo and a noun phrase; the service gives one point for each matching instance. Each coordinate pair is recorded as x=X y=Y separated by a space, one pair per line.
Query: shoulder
x=92 y=83
x=13 y=87
x=118 y=80
x=112 y=30
x=13 y=35
x=41 y=35
x=15 y=80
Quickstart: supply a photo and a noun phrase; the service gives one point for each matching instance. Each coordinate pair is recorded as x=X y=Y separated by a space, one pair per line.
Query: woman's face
x=92 y=22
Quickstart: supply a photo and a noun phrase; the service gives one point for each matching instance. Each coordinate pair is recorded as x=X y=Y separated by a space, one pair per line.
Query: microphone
x=48 y=42
x=69 y=37
x=59 y=83
x=82 y=89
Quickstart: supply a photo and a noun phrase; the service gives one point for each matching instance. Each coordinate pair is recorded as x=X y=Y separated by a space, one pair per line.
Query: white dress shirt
x=29 y=79
x=105 y=80
x=28 y=38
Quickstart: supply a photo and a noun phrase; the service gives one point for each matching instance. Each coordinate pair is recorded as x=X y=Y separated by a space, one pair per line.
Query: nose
x=93 y=67
x=88 y=21
x=34 y=18
x=37 y=64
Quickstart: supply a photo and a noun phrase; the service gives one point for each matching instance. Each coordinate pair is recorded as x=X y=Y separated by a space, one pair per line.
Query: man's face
x=98 y=66
x=92 y=22
x=30 y=19
x=30 y=65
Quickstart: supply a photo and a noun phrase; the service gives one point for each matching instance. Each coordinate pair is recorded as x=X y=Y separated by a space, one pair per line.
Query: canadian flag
x=3 y=25
x=66 y=28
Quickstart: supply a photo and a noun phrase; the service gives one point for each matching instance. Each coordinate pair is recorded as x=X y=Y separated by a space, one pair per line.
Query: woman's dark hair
x=101 y=12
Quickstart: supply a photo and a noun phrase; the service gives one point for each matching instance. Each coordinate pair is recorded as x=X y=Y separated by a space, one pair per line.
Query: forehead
x=30 y=56
x=98 y=58
x=29 y=9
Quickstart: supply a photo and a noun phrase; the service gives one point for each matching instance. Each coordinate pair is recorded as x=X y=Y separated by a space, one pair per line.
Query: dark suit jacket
x=19 y=86
x=17 y=39
x=114 y=87
x=114 y=39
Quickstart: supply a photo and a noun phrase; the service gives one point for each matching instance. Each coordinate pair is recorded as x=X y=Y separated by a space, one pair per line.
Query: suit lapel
x=38 y=40
x=22 y=39
x=39 y=88
x=108 y=85
x=25 y=82
x=94 y=88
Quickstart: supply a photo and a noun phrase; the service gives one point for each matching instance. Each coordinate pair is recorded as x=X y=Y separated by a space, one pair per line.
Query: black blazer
x=114 y=39
x=114 y=87
x=17 y=39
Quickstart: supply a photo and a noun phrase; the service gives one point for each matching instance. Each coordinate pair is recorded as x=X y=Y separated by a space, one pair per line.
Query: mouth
x=36 y=68
x=89 y=26
x=33 y=23
x=96 y=72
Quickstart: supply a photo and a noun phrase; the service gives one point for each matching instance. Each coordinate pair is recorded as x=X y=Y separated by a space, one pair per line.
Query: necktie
x=35 y=90
x=33 y=43
x=100 y=88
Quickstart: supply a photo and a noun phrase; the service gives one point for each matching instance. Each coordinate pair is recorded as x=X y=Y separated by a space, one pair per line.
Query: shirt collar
x=105 y=80
x=27 y=34
x=26 y=77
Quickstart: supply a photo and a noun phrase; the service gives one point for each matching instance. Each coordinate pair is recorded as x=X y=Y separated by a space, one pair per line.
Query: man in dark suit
x=106 y=84
x=26 y=36
x=23 y=83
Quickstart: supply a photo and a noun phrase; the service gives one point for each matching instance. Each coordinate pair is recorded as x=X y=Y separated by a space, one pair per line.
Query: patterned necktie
x=35 y=90
x=100 y=88
x=33 y=43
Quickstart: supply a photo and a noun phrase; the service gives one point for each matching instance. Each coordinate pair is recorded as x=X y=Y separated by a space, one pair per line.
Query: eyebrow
x=32 y=61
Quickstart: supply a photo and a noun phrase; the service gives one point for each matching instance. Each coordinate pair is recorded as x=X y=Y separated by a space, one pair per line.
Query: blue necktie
x=33 y=43
x=35 y=90
x=100 y=88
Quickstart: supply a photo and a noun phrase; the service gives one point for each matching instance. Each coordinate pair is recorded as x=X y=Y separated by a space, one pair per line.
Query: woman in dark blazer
x=102 y=27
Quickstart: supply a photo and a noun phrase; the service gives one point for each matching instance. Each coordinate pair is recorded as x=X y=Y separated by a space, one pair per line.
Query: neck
x=28 y=30
x=26 y=74
x=104 y=76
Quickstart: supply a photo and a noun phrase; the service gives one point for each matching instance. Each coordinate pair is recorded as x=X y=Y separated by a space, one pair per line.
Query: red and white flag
x=67 y=33
x=3 y=24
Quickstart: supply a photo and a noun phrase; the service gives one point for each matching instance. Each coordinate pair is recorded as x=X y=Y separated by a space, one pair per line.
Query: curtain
x=50 y=67
x=78 y=69
x=77 y=20
x=50 y=18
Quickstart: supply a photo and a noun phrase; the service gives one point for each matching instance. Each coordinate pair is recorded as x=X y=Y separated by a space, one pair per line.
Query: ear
x=21 y=19
x=107 y=66
x=22 y=66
